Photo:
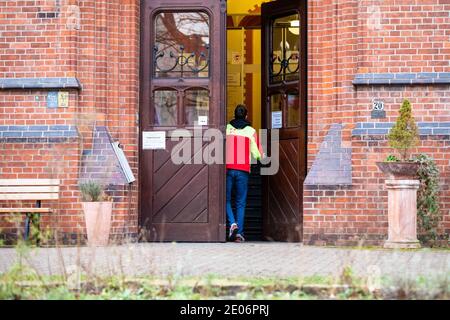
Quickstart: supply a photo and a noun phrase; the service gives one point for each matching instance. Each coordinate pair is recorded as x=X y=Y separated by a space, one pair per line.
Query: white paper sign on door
x=153 y=140
x=202 y=120
x=277 y=117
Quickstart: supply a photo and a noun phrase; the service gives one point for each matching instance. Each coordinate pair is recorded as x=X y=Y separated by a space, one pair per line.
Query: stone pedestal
x=402 y=214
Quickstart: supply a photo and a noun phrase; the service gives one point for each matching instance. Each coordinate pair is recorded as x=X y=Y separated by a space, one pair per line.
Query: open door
x=284 y=94
x=182 y=87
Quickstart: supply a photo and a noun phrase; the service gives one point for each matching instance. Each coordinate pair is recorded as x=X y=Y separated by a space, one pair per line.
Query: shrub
x=428 y=215
x=404 y=134
x=91 y=191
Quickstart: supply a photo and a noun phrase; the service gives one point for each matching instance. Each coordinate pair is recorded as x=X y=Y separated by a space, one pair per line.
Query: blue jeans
x=239 y=179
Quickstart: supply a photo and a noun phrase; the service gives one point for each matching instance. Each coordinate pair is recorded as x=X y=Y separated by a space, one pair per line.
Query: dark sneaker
x=239 y=238
x=233 y=232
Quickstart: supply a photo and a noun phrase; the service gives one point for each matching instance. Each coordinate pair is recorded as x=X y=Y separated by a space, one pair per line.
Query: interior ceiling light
x=295 y=27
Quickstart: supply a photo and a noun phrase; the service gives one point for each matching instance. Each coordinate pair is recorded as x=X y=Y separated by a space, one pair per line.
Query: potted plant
x=403 y=136
x=402 y=183
x=97 y=209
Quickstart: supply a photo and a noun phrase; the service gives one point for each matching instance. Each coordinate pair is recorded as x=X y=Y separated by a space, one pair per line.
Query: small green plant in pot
x=97 y=208
x=403 y=136
x=402 y=182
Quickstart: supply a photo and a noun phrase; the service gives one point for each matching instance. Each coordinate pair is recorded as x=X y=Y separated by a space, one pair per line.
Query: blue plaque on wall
x=52 y=99
x=378 y=114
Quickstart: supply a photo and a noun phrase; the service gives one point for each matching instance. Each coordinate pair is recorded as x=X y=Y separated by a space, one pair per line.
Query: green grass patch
x=25 y=284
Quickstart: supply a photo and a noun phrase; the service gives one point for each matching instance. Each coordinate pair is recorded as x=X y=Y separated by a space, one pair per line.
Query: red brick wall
x=351 y=37
x=403 y=36
x=43 y=39
x=107 y=66
x=33 y=45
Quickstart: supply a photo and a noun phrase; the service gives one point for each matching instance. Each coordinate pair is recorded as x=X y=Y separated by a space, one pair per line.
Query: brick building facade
x=358 y=52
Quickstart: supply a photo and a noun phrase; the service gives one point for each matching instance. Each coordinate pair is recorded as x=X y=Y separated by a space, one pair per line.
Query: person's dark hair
x=240 y=112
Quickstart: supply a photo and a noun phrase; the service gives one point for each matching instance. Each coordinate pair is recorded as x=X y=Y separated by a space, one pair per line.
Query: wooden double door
x=183 y=88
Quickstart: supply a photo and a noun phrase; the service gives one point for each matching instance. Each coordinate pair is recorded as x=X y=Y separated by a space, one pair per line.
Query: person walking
x=241 y=145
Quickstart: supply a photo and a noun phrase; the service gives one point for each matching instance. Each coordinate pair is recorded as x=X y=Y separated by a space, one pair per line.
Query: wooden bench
x=29 y=189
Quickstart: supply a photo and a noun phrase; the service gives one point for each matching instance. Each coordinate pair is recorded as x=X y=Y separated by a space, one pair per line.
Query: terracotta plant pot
x=98 y=222
x=402 y=184
x=399 y=170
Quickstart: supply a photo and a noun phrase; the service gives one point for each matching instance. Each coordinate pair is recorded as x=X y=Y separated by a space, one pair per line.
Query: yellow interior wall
x=235 y=38
x=235 y=89
x=257 y=79
x=243 y=6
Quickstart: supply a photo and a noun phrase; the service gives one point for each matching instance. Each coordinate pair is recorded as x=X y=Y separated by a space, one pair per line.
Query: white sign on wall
x=234 y=79
x=277 y=119
x=153 y=140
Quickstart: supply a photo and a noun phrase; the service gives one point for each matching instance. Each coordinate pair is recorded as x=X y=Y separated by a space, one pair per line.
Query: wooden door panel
x=161 y=158
x=181 y=202
x=289 y=167
x=169 y=170
x=283 y=208
x=180 y=191
x=195 y=211
x=284 y=187
x=174 y=197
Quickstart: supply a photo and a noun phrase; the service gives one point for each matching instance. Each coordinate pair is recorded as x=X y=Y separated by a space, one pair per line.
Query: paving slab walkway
x=259 y=259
